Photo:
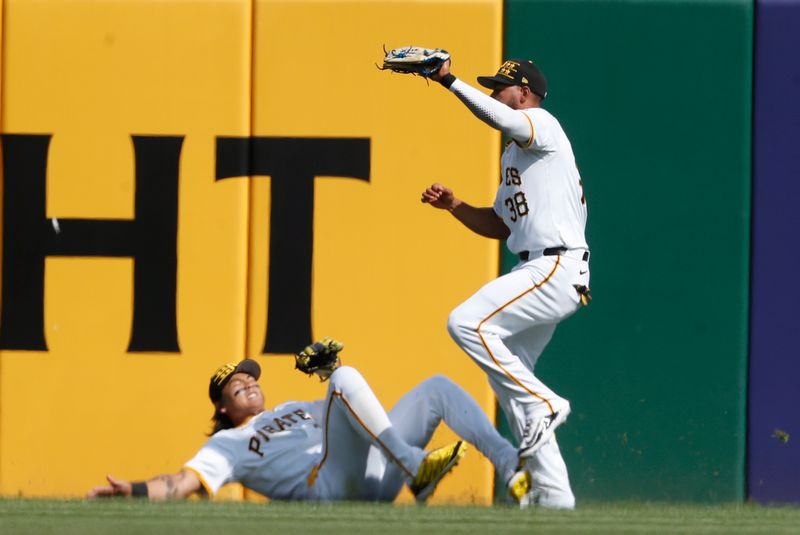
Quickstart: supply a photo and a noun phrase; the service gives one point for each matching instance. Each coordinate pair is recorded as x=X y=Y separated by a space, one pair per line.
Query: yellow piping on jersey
x=533 y=132
x=312 y=477
x=203 y=481
x=484 y=320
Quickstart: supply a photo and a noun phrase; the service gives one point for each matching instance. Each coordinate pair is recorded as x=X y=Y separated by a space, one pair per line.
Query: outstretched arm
x=163 y=487
x=512 y=123
x=483 y=221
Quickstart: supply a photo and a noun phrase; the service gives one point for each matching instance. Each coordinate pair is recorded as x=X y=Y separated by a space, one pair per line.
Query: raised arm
x=483 y=221
x=499 y=116
x=163 y=487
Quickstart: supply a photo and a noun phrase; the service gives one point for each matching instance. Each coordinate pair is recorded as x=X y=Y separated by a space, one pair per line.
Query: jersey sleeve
x=513 y=123
x=542 y=125
x=214 y=464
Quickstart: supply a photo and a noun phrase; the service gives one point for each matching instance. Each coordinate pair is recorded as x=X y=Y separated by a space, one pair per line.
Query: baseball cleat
x=519 y=485
x=434 y=467
x=538 y=432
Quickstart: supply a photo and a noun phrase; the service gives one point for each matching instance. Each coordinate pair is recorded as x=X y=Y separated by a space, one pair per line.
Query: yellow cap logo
x=223 y=372
x=508 y=68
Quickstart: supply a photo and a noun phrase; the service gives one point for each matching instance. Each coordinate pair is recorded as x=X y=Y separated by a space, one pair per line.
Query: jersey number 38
x=517 y=205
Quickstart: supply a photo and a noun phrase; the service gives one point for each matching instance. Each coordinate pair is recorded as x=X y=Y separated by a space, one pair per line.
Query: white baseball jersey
x=275 y=452
x=541 y=196
x=272 y=453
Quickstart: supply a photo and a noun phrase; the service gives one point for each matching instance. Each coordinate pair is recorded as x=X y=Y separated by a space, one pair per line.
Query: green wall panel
x=655 y=97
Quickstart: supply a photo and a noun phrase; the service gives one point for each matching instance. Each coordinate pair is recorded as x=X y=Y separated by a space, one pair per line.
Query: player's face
x=508 y=95
x=241 y=398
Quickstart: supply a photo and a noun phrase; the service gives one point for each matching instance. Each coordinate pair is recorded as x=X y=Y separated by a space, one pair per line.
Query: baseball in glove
x=417 y=60
x=320 y=358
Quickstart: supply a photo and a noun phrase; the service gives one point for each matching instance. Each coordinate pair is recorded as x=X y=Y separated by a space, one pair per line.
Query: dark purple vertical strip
x=774 y=400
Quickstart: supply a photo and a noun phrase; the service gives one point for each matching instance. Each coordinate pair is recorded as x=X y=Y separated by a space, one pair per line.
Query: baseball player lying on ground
x=345 y=447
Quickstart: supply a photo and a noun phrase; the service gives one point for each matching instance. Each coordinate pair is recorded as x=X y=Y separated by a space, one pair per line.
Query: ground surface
x=123 y=517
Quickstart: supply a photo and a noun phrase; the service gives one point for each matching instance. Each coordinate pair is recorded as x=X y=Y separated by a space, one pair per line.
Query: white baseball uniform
x=506 y=324
x=345 y=447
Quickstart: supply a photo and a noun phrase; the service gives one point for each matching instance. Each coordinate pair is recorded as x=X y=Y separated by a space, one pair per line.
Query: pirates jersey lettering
x=272 y=453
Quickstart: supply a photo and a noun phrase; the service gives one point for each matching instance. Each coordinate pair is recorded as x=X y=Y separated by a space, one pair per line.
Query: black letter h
x=150 y=239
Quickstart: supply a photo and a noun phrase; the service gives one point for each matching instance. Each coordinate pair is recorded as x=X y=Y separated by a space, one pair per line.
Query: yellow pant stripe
x=484 y=320
x=383 y=446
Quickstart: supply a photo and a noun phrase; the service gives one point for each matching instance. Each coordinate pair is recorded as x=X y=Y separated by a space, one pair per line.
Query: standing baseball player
x=541 y=210
x=342 y=448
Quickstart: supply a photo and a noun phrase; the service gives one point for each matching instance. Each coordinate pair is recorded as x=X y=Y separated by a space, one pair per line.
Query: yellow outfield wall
x=114 y=90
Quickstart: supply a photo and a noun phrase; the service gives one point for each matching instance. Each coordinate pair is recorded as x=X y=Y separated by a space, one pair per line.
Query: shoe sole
x=561 y=417
x=428 y=489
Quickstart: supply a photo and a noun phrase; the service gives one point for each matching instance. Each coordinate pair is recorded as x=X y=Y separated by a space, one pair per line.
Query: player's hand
x=443 y=71
x=440 y=196
x=116 y=487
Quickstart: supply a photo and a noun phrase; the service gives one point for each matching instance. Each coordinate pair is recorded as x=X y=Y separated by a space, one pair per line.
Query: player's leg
x=535 y=295
x=529 y=344
x=505 y=327
x=551 y=486
x=354 y=421
x=416 y=416
x=550 y=479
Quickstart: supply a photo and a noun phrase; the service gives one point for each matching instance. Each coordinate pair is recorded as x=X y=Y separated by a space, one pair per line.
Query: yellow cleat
x=434 y=467
x=519 y=485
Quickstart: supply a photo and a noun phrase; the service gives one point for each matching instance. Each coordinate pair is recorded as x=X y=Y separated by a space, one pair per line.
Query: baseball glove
x=417 y=60
x=319 y=358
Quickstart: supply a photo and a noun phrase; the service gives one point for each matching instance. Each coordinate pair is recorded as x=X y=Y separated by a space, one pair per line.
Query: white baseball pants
x=504 y=327
x=369 y=455
x=354 y=421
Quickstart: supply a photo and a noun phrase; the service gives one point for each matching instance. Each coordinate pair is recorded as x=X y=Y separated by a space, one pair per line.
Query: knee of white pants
x=437 y=387
x=346 y=378
x=438 y=382
x=461 y=324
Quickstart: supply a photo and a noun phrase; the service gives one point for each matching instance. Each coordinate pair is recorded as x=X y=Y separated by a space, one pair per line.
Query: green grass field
x=123 y=517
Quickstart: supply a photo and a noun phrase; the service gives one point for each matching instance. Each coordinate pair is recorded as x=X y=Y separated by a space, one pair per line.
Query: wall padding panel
x=85 y=76
x=656 y=99
x=386 y=269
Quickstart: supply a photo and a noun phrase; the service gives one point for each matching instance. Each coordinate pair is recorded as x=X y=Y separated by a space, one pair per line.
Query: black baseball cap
x=517 y=72
x=226 y=371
